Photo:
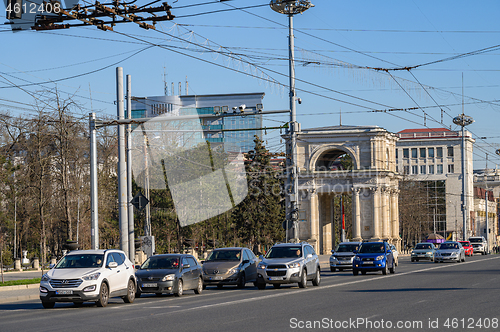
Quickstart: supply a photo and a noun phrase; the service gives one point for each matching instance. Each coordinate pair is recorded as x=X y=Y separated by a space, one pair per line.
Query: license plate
x=367 y=263
x=215 y=278
x=150 y=285
x=275 y=278
x=64 y=292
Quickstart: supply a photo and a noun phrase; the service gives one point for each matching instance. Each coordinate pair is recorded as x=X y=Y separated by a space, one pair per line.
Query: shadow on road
x=407 y=290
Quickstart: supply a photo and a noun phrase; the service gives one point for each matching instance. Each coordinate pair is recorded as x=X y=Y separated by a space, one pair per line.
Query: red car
x=469 y=251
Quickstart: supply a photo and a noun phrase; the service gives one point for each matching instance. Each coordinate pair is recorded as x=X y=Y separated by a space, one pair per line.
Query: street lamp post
x=290 y=8
x=463 y=120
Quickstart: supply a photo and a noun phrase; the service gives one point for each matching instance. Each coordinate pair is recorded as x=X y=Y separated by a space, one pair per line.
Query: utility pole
x=486 y=203
x=94 y=223
x=463 y=120
x=290 y=8
x=131 y=235
x=122 y=171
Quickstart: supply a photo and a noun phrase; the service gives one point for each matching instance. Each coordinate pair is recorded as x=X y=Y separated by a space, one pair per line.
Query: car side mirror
x=246 y=261
x=202 y=262
x=354 y=251
x=113 y=265
x=261 y=257
x=51 y=266
x=389 y=251
x=138 y=267
x=309 y=256
x=332 y=251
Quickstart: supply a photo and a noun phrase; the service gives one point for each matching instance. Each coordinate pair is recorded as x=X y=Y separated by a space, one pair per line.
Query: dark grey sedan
x=169 y=273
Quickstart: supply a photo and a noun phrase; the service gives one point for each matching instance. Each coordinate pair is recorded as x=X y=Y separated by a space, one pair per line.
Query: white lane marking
x=259 y=298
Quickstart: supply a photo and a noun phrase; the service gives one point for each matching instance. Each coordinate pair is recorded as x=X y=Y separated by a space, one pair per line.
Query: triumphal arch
x=372 y=181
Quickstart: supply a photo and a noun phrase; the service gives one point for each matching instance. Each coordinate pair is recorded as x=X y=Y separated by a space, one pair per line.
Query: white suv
x=89 y=276
x=479 y=244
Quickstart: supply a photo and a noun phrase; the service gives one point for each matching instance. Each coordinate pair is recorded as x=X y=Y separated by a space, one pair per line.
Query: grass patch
x=20 y=282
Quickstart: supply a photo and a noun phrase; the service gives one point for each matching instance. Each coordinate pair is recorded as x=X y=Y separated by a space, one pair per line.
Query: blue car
x=374 y=256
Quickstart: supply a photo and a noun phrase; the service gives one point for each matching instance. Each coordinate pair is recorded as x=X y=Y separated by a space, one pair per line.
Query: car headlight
x=455 y=253
x=379 y=258
x=234 y=270
x=429 y=253
x=168 y=277
x=93 y=276
x=262 y=266
x=293 y=265
x=45 y=277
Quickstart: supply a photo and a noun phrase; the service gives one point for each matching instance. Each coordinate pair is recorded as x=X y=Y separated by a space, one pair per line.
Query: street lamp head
x=290 y=7
x=497 y=152
x=463 y=120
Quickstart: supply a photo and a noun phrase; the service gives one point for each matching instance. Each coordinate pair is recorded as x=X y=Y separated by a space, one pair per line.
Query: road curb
x=19 y=298
x=18 y=287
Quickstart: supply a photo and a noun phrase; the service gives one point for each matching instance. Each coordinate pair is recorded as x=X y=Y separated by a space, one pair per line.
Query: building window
x=431 y=169
x=422 y=169
x=439 y=152
x=406 y=153
x=414 y=153
x=396 y=153
x=450 y=151
x=406 y=169
x=414 y=169
x=430 y=152
x=422 y=152
x=439 y=169
x=451 y=168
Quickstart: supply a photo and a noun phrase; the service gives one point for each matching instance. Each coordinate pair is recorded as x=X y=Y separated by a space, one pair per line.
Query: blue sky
x=338 y=43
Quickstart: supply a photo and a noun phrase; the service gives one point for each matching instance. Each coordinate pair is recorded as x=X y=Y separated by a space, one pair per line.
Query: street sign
x=139 y=201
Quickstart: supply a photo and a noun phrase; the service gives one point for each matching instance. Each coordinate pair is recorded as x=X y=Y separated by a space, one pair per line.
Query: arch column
x=386 y=218
x=395 y=214
x=376 y=212
x=356 y=222
x=314 y=213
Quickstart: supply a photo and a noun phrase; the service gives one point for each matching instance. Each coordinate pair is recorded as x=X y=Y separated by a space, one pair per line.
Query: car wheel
x=396 y=262
x=48 y=305
x=241 y=281
x=354 y=272
x=276 y=285
x=303 y=279
x=463 y=259
x=435 y=261
x=219 y=286
x=385 y=269
x=393 y=268
x=103 y=299
x=412 y=260
x=180 y=289
x=199 y=289
x=317 y=279
x=332 y=269
x=260 y=285
x=130 y=297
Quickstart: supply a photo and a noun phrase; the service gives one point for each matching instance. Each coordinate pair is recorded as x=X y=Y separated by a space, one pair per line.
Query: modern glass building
x=235 y=133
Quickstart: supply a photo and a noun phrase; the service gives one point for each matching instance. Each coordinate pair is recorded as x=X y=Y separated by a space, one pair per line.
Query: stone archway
x=372 y=183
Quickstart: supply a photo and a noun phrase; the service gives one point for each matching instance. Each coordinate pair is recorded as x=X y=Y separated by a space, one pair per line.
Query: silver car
x=423 y=251
x=287 y=263
x=342 y=256
x=450 y=251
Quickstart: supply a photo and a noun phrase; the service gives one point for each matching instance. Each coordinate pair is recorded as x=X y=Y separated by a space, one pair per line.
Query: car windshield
x=161 y=263
x=476 y=240
x=423 y=246
x=284 y=252
x=448 y=246
x=224 y=255
x=81 y=261
x=347 y=247
x=372 y=248
x=465 y=244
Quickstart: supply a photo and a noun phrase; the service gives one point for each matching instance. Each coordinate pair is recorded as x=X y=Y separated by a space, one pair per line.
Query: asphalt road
x=421 y=296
